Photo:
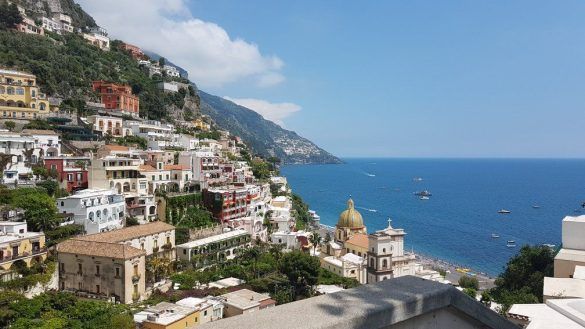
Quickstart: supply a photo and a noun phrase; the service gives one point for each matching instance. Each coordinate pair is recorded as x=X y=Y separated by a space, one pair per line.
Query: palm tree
x=315 y=240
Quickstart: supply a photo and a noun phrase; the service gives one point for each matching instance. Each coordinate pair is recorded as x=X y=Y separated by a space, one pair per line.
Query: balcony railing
x=167 y=246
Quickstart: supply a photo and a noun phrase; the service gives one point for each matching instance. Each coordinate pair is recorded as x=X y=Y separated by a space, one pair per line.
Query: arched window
x=10 y=91
x=20 y=91
x=371 y=262
x=385 y=263
x=384 y=250
x=90 y=216
x=98 y=214
x=42 y=107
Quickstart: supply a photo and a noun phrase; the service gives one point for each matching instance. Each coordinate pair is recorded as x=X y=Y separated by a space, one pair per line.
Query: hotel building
x=117 y=98
x=20 y=97
x=17 y=244
x=213 y=249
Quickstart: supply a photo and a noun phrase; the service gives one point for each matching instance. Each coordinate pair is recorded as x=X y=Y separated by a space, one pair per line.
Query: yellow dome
x=350 y=217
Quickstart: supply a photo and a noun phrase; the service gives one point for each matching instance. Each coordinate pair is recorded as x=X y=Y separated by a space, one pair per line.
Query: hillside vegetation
x=66 y=65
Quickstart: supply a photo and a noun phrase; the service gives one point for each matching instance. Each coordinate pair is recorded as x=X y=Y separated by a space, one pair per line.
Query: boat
x=511 y=244
x=423 y=193
x=535 y=206
x=417 y=179
x=495 y=236
x=370 y=175
x=504 y=211
x=425 y=198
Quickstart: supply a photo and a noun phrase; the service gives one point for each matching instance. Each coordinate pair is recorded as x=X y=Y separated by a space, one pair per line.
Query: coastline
x=430 y=262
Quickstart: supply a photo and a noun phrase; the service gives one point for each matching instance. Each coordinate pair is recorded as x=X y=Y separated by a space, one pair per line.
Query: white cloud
x=212 y=57
x=275 y=112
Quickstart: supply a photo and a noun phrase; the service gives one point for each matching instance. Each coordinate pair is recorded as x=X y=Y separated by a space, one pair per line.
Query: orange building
x=117 y=98
x=134 y=51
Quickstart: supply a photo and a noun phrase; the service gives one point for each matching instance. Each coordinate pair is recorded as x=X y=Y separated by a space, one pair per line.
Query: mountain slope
x=263 y=136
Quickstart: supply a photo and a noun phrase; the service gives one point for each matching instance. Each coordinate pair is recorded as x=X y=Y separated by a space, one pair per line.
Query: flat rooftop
x=552 y=315
x=580 y=219
x=244 y=299
x=214 y=238
x=571 y=255
x=166 y=313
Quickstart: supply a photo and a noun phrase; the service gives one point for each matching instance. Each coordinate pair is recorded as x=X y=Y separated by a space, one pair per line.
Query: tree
x=302 y=270
x=469 y=282
x=252 y=254
x=9 y=15
x=523 y=278
x=470 y=292
x=39 y=208
x=131 y=221
x=9 y=125
x=486 y=298
x=315 y=240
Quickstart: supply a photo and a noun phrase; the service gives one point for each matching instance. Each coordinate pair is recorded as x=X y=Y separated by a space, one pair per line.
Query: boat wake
x=370 y=175
x=367 y=209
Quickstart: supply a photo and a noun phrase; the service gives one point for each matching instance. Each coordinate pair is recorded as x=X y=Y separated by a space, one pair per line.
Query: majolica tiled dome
x=350 y=217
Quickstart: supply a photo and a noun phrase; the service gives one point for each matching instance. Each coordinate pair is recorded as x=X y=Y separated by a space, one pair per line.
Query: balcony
x=167 y=246
x=406 y=302
x=155 y=249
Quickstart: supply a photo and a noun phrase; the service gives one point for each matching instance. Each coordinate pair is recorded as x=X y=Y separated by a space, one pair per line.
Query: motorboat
x=423 y=193
x=511 y=244
x=504 y=211
x=417 y=179
x=495 y=236
x=425 y=198
x=535 y=206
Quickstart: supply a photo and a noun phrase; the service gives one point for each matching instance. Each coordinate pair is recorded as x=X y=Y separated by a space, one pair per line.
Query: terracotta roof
x=360 y=240
x=38 y=132
x=146 y=168
x=99 y=249
x=116 y=147
x=176 y=167
x=129 y=233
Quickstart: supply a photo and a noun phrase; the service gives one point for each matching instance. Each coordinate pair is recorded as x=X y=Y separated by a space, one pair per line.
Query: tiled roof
x=38 y=132
x=360 y=240
x=99 y=249
x=129 y=233
x=146 y=168
x=176 y=167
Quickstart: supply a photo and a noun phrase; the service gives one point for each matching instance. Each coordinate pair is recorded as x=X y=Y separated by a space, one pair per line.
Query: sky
x=383 y=78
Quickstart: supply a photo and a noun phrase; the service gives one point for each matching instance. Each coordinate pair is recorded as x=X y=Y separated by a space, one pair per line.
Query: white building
x=19 y=166
x=213 y=249
x=347 y=266
x=46 y=140
x=168 y=87
x=290 y=240
x=106 y=124
x=573 y=251
x=205 y=167
x=210 y=308
x=171 y=71
x=386 y=257
x=96 y=210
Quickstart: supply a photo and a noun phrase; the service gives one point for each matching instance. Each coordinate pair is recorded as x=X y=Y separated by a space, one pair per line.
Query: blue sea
x=457 y=222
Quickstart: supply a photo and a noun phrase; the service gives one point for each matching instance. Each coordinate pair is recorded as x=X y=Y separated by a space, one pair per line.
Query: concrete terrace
x=406 y=302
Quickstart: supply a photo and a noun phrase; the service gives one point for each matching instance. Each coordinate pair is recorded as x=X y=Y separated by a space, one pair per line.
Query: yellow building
x=168 y=316
x=201 y=124
x=19 y=245
x=20 y=97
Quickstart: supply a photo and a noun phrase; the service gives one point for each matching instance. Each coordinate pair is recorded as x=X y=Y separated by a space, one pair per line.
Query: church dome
x=350 y=217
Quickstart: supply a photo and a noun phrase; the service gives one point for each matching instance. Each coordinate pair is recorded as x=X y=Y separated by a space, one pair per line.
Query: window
x=97 y=288
x=97 y=270
x=135 y=269
x=168 y=240
x=70 y=177
x=61 y=267
x=79 y=269
x=142 y=245
x=20 y=91
x=79 y=177
x=117 y=272
x=384 y=250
